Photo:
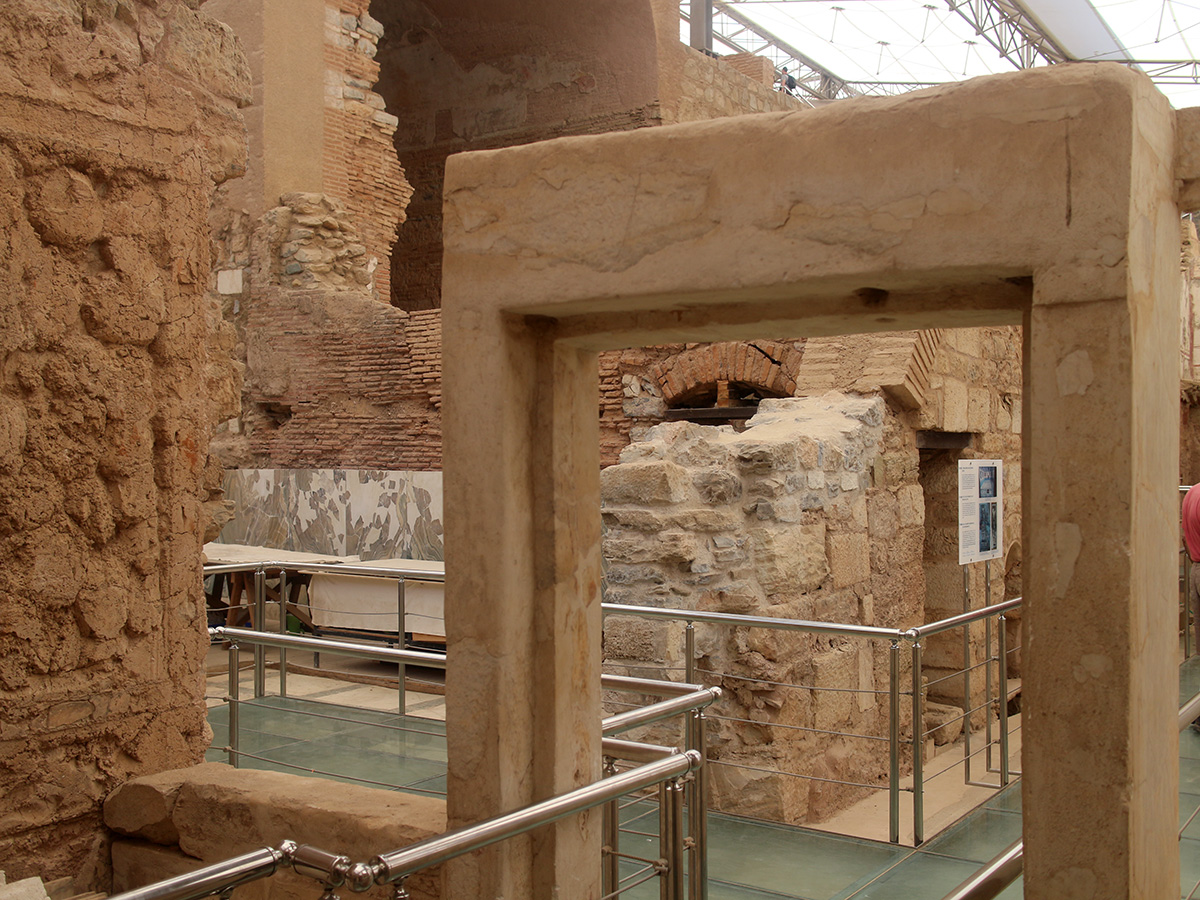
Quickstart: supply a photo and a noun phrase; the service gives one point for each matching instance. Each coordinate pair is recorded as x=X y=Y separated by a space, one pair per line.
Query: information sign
x=980 y=510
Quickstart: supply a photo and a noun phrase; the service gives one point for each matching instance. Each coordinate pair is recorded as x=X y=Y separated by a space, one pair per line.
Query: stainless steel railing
x=992 y=615
x=394 y=867
x=915 y=638
x=259 y=600
x=990 y=881
x=686 y=700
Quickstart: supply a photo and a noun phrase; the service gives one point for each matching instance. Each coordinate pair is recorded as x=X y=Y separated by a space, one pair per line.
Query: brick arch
x=768 y=366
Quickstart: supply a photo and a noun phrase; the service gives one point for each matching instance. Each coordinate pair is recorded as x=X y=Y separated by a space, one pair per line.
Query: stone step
x=56 y=889
x=25 y=889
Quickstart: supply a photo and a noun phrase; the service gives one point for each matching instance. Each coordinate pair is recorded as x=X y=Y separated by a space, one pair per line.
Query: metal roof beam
x=743 y=35
x=1010 y=31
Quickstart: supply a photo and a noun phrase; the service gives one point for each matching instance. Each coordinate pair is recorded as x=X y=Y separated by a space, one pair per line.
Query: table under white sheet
x=364 y=602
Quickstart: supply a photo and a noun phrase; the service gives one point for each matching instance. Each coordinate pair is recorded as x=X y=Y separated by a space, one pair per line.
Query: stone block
x=789 y=559
x=230 y=281
x=634 y=638
x=954 y=406
x=837 y=670
x=910 y=505
x=705 y=520
x=849 y=559
x=143 y=807
x=220 y=812
x=656 y=483
x=717 y=485
x=637 y=519
x=760 y=456
x=943 y=723
x=701 y=451
x=979 y=405
x=25 y=889
x=882 y=515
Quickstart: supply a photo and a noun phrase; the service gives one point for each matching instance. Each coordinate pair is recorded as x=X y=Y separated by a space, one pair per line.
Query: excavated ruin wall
x=814 y=512
x=116 y=119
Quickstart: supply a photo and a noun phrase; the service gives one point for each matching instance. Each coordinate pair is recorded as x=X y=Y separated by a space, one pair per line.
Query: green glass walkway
x=748 y=860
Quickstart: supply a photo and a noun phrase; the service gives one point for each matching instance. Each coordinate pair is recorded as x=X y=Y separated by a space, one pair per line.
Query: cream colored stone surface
x=213 y=812
x=698 y=233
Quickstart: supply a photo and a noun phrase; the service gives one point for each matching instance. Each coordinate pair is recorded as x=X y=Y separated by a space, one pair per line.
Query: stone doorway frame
x=1045 y=198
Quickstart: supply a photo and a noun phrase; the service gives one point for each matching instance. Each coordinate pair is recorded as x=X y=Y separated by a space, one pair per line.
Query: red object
x=1191 y=521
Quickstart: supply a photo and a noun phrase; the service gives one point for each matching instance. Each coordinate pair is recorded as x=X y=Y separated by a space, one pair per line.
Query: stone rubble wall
x=116 y=120
x=814 y=512
x=309 y=241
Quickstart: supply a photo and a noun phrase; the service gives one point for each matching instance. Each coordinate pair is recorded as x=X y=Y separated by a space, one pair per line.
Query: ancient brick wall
x=631 y=401
x=116 y=119
x=361 y=168
x=335 y=379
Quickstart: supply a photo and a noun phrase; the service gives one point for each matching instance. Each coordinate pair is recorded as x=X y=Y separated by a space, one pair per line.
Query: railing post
x=1002 y=645
x=611 y=868
x=1188 y=612
x=260 y=615
x=689 y=649
x=697 y=822
x=283 y=614
x=233 y=700
x=401 y=671
x=987 y=663
x=670 y=833
x=966 y=678
x=894 y=744
x=918 y=745
x=698 y=812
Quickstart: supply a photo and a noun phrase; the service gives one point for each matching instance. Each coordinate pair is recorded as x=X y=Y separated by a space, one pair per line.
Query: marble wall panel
x=369 y=513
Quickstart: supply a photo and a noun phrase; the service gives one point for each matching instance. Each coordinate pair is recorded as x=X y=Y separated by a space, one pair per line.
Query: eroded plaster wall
x=116 y=119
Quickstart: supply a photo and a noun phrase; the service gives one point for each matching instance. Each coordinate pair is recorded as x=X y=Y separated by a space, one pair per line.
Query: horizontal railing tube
x=364 y=570
x=692 y=615
x=992 y=879
x=648 y=686
x=212 y=879
x=977 y=615
x=635 y=751
x=401 y=863
x=656 y=712
x=347 y=648
x=1189 y=712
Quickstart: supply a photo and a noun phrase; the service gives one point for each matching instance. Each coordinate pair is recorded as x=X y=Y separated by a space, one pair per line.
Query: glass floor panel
x=748 y=859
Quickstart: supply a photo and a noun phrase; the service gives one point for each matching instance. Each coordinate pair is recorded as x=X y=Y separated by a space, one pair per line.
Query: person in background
x=787 y=83
x=1191 y=539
